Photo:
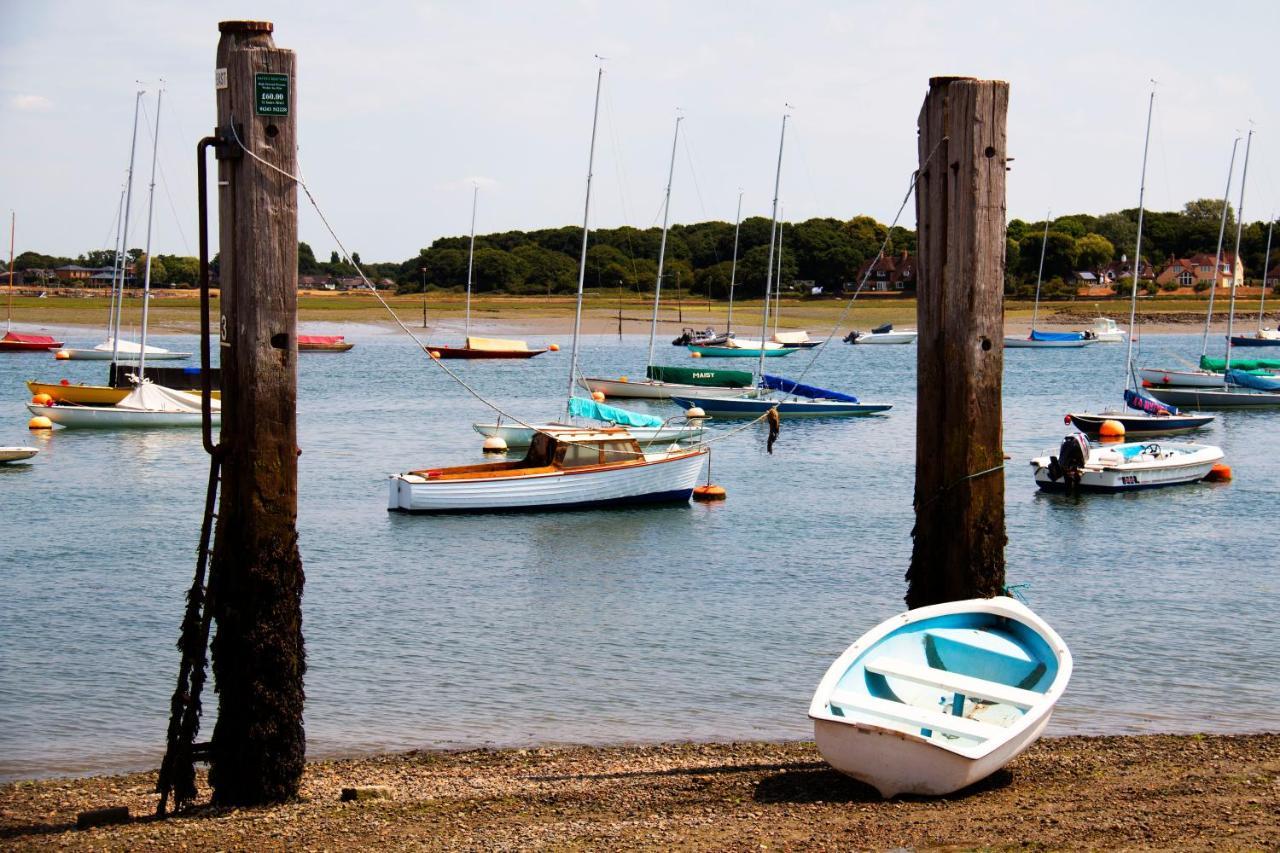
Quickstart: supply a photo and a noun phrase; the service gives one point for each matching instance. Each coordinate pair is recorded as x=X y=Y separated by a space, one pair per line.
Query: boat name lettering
x=1129 y=480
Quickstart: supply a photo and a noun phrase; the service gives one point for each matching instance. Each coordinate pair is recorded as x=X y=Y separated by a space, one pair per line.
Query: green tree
x=546 y=271
x=307 y=263
x=1093 y=250
x=1209 y=211
x=181 y=270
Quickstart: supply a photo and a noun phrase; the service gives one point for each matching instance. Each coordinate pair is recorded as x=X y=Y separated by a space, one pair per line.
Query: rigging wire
x=177 y=220
x=301 y=182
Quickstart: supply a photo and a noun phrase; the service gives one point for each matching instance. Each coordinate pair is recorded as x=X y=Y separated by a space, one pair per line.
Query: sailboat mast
x=662 y=246
x=777 y=287
x=1217 y=258
x=146 y=282
x=582 y=259
x=115 y=267
x=768 y=267
x=13 y=225
x=733 y=270
x=1137 y=249
x=1235 y=261
x=124 y=235
x=1044 y=242
x=1266 y=265
x=471 y=255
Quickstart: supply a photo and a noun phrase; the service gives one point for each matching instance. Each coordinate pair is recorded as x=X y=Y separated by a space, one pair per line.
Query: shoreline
x=1083 y=792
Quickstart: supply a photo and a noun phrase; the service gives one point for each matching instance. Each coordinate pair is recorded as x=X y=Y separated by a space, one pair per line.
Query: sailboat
x=1263 y=337
x=566 y=467
x=477 y=347
x=661 y=383
x=1130 y=466
x=1047 y=340
x=16 y=341
x=797 y=399
x=148 y=404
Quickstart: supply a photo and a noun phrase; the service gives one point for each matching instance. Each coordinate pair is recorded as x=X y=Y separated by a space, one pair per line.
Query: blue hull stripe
x=673 y=496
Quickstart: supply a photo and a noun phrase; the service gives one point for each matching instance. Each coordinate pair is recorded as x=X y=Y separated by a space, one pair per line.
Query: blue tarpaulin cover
x=1055 y=336
x=786 y=386
x=1150 y=405
x=1249 y=380
x=584 y=408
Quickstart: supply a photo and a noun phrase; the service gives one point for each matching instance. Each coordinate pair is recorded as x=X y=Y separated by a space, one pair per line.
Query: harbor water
x=691 y=622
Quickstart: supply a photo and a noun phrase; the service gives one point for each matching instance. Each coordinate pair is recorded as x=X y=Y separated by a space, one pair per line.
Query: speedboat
x=1106 y=331
x=940 y=697
x=882 y=335
x=1125 y=467
x=701 y=337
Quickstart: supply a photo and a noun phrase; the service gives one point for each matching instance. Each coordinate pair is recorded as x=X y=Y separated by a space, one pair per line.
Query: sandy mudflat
x=1139 y=792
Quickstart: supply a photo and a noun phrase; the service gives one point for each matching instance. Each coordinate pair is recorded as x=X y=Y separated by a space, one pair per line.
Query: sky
x=404 y=107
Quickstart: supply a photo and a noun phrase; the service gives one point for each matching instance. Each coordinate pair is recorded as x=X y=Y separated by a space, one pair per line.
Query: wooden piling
x=960 y=212
x=255 y=591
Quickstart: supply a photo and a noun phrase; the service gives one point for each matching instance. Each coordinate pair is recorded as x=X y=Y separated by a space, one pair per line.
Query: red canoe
x=323 y=343
x=15 y=342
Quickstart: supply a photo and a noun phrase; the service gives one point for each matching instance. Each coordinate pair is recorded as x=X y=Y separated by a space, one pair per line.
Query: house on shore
x=1188 y=272
x=888 y=274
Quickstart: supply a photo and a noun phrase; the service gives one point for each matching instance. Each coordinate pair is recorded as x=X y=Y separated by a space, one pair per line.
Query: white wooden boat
x=17 y=454
x=146 y=406
x=1106 y=331
x=128 y=351
x=1126 y=467
x=516 y=435
x=940 y=697
x=565 y=468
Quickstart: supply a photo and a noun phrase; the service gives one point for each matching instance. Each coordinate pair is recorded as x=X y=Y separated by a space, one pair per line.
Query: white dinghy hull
x=17 y=454
x=905 y=740
x=647 y=389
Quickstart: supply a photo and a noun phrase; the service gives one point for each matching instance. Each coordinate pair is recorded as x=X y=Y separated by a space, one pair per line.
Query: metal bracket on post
x=225 y=146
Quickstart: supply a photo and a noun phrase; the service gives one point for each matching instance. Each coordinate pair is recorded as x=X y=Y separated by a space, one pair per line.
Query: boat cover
x=320 y=340
x=585 y=408
x=491 y=344
x=882 y=330
x=1217 y=364
x=1144 y=403
x=18 y=337
x=157 y=398
x=1053 y=336
x=786 y=386
x=702 y=376
x=791 y=337
x=1250 y=380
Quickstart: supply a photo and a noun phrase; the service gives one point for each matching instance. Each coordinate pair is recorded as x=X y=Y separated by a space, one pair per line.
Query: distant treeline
x=825 y=252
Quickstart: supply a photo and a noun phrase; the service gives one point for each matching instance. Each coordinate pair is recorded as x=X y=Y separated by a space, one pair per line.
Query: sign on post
x=271 y=94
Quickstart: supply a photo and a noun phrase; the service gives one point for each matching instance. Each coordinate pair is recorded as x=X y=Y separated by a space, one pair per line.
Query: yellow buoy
x=1219 y=473
x=709 y=493
x=622 y=379
x=62 y=355
x=695 y=412
x=435 y=353
x=42 y=400
x=554 y=347
x=1111 y=429
x=695 y=354
x=493 y=444
x=39 y=422
x=598 y=396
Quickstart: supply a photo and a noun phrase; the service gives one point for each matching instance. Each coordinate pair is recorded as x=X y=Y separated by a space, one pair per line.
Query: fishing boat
x=16 y=341
x=124 y=351
x=1047 y=340
x=646 y=429
x=480 y=348
x=1126 y=467
x=147 y=406
x=940 y=697
x=661 y=382
x=1143 y=414
x=1105 y=331
x=566 y=467
x=885 y=334
x=700 y=337
x=17 y=454
x=323 y=343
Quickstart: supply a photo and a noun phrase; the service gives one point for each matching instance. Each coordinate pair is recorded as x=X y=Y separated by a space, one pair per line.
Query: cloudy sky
x=402 y=106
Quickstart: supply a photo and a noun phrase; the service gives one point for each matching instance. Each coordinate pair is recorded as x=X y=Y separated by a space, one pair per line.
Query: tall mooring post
x=258 y=746
x=960 y=211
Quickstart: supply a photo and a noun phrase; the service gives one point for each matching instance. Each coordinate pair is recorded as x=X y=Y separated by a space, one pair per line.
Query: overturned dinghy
x=938 y=698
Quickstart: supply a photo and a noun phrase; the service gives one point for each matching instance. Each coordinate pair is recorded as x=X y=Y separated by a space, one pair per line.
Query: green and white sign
x=271 y=94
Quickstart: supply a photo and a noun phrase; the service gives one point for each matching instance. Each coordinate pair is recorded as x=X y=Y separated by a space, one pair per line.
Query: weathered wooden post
x=258 y=745
x=960 y=211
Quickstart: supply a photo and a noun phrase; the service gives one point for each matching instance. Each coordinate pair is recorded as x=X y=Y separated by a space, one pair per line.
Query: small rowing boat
x=323 y=343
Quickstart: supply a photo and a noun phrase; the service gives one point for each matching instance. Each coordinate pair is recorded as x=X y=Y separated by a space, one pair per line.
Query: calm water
x=689 y=622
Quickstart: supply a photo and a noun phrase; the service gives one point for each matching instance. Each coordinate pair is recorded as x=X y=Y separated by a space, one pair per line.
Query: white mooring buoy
x=493 y=444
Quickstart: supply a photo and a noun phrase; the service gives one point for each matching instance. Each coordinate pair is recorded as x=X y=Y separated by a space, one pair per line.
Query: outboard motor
x=1069 y=462
x=852 y=337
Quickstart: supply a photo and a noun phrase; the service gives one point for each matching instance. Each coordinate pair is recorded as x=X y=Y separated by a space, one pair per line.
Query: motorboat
x=940 y=697
x=1106 y=331
x=701 y=337
x=884 y=334
x=1124 y=467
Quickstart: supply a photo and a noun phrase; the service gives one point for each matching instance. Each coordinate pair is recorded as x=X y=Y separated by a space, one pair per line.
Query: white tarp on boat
x=791 y=337
x=156 y=398
x=128 y=348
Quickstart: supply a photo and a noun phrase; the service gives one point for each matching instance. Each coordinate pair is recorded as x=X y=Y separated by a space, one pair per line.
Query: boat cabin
x=553 y=449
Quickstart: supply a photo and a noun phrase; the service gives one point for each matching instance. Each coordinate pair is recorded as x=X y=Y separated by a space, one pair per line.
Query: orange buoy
x=622 y=379
x=709 y=493
x=62 y=355
x=554 y=347
x=435 y=353
x=598 y=396
x=39 y=422
x=1219 y=473
x=1111 y=429
x=695 y=354
x=42 y=400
